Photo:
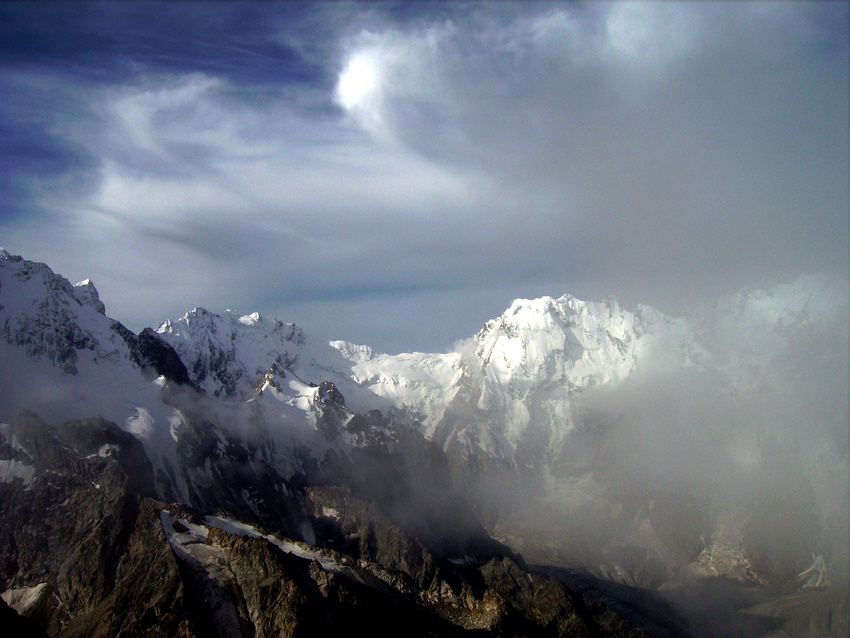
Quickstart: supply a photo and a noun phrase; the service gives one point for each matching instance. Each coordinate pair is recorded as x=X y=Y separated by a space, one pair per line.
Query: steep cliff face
x=227 y=353
x=83 y=551
x=45 y=315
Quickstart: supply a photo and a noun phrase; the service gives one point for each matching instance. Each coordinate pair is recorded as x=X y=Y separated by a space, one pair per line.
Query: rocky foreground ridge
x=88 y=550
x=229 y=475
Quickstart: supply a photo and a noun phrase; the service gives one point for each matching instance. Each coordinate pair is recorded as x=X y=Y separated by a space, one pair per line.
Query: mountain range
x=574 y=468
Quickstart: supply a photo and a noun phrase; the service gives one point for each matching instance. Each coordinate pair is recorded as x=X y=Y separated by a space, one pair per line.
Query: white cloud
x=649 y=36
x=198 y=191
x=499 y=149
x=360 y=82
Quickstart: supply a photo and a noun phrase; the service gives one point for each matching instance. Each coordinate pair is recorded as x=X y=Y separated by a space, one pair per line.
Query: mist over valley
x=613 y=453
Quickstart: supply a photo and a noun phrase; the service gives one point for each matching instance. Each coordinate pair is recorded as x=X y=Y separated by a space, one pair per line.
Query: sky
x=395 y=174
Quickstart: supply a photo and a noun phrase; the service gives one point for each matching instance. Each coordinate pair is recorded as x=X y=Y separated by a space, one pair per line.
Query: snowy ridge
x=508 y=394
x=236 y=357
x=47 y=317
x=226 y=352
x=523 y=367
x=64 y=358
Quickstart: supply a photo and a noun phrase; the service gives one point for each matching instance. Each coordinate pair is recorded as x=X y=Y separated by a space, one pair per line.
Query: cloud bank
x=396 y=175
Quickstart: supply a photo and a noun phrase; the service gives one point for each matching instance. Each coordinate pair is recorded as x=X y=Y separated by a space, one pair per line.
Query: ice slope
x=420 y=385
x=523 y=368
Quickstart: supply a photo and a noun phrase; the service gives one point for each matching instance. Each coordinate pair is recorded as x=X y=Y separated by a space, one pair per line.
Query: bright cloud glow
x=359 y=83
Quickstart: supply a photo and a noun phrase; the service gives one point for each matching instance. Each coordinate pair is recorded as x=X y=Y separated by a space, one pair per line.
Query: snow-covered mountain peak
x=200 y=323
x=87 y=295
x=47 y=317
x=548 y=314
x=353 y=351
x=24 y=270
x=250 y=320
x=5 y=255
x=566 y=340
x=230 y=354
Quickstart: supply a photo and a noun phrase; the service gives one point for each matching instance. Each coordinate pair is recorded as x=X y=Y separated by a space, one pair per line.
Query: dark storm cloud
x=314 y=160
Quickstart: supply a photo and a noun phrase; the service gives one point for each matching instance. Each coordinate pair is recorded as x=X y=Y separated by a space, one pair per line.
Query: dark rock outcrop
x=16 y=626
x=81 y=546
x=228 y=474
x=498 y=597
x=149 y=350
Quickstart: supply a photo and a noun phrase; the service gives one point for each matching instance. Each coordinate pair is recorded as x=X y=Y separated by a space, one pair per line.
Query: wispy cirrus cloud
x=309 y=161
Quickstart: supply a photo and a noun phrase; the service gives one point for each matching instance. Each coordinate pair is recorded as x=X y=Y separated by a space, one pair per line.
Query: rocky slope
x=88 y=552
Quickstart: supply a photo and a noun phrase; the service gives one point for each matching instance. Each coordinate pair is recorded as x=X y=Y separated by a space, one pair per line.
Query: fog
x=740 y=455
x=691 y=437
